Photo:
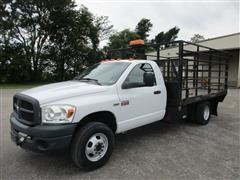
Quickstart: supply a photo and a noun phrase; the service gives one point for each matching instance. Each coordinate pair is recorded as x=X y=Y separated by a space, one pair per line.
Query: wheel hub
x=96 y=147
x=99 y=147
x=206 y=113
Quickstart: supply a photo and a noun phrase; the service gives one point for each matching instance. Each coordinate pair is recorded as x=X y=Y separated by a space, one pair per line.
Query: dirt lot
x=176 y=150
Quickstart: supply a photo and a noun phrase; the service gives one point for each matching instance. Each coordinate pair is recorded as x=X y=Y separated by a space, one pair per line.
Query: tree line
x=53 y=40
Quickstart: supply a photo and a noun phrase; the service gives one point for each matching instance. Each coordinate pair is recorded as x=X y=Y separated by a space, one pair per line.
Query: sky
x=208 y=18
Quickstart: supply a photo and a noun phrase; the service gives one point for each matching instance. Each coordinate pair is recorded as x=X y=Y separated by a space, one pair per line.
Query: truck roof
x=126 y=60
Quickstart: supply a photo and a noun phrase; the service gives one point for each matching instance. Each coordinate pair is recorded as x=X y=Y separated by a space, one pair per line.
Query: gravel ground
x=162 y=150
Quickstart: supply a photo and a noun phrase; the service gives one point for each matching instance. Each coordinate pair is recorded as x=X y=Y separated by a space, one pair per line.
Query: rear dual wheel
x=200 y=114
x=203 y=113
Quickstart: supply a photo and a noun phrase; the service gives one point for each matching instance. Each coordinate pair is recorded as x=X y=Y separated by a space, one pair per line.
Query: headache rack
x=191 y=72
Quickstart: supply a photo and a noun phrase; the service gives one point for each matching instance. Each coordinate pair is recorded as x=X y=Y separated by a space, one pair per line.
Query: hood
x=63 y=90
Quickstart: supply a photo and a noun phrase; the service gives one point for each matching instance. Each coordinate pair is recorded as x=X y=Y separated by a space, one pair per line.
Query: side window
x=138 y=77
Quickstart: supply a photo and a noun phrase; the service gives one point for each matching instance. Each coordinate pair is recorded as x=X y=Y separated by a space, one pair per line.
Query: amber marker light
x=136 y=42
x=70 y=112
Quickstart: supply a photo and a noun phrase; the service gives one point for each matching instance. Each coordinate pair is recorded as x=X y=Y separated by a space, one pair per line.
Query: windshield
x=104 y=73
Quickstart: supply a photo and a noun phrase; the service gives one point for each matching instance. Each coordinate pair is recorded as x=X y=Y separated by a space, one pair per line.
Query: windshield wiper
x=90 y=79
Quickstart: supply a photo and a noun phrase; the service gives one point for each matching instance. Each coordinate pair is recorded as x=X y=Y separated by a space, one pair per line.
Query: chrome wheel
x=206 y=113
x=96 y=147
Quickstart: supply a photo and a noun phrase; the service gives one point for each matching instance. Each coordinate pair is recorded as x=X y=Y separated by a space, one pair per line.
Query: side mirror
x=148 y=78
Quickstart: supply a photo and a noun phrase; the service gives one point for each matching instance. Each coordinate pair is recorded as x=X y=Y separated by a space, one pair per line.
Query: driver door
x=140 y=104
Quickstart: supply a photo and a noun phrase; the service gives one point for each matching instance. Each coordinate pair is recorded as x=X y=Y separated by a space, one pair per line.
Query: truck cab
x=121 y=94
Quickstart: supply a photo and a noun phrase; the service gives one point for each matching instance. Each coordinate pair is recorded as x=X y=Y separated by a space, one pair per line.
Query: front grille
x=27 y=116
x=27 y=105
x=27 y=109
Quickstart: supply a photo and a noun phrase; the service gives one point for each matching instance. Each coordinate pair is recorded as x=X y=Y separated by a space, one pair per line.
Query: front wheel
x=92 y=146
x=203 y=113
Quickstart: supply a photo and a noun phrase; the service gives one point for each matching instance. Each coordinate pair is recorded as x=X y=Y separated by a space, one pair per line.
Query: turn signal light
x=70 y=112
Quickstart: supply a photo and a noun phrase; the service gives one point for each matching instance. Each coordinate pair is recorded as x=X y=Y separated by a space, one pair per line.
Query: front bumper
x=41 y=138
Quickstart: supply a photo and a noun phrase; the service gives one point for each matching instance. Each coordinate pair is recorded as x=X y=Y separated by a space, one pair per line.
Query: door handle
x=157 y=92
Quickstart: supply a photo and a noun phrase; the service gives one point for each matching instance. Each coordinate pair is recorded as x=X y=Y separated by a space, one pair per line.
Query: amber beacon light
x=136 y=42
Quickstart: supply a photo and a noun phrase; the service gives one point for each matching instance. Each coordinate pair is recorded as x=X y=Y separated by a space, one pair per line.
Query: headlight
x=58 y=114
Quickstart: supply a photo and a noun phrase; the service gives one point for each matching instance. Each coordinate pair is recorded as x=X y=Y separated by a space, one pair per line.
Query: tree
x=53 y=37
x=27 y=23
x=197 y=38
x=168 y=36
x=121 y=39
x=143 y=28
x=103 y=26
x=74 y=42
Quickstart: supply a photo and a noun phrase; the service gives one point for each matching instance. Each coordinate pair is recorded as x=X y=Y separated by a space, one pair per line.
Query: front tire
x=92 y=146
x=203 y=113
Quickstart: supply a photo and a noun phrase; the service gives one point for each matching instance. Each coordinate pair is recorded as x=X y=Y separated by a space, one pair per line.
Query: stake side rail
x=196 y=72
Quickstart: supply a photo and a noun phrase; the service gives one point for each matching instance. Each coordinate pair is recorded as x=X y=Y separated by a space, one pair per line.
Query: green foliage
x=47 y=40
x=122 y=38
x=52 y=40
x=143 y=28
x=168 y=36
x=73 y=43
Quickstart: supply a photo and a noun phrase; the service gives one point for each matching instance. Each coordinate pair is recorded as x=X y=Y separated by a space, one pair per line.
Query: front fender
x=88 y=104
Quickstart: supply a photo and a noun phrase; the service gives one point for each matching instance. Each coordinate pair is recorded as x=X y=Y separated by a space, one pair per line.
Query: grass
x=19 y=86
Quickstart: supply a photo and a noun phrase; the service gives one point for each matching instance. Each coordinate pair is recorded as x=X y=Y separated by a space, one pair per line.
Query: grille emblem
x=17 y=107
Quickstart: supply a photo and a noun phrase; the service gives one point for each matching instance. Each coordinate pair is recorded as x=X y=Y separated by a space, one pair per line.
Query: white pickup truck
x=108 y=98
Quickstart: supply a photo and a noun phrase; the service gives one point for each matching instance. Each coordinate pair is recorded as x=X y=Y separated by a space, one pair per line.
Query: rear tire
x=92 y=146
x=191 y=114
x=203 y=113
